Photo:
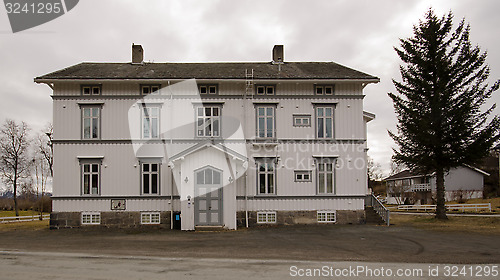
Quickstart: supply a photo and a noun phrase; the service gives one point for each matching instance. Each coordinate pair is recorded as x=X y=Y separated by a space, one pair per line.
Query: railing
x=383 y=212
x=420 y=187
x=463 y=207
x=23 y=218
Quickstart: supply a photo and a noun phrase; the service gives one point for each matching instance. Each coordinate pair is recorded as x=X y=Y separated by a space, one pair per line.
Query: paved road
x=68 y=266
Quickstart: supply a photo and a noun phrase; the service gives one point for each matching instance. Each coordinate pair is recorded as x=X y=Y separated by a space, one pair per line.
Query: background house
x=406 y=187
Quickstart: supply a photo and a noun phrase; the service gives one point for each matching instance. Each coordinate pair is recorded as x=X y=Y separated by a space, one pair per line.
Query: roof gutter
x=364 y=81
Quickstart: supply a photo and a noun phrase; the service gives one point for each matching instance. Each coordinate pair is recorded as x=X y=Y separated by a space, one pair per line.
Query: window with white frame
x=150 y=122
x=90 y=177
x=303 y=176
x=325 y=169
x=266 y=174
x=324 y=89
x=150 y=89
x=324 y=122
x=265 y=89
x=326 y=216
x=301 y=120
x=91 y=122
x=208 y=121
x=91 y=218
x=266 y=121
x=266 y=217
x=91 y=90
x=151 y=218
x=208 y=89
x=150 y=178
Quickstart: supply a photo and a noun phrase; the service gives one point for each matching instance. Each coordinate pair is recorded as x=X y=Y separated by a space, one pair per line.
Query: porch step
x=208 y=228
x=372 y=217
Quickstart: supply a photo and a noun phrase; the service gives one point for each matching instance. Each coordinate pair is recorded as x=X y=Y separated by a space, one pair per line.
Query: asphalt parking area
x=313 y=243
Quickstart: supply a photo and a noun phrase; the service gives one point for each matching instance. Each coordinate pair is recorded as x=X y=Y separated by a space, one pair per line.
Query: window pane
x=321 y=183
x=212 y=89
x=306 y=177
x=208 y=176
x=95 y=168
x=145 y=90
x=208 y=127
x=299 y=177
x=216 y=127
x=154 y=128
x=216 y=111
x=329 y=183
x=154 y=112
x=270 y=127
x=86 y=184
x=154 y=183
x=320 y=128
x=86 y=128
x=270 y=90
x=321 y=166
x=145 y=183
x=95 y=183
x=260 y=90
x=86 y=112
x=270 y=183
x=261 y=127
x=298 y=121
x=329 y=166
x=95 y=127
x=146 y=128
x=328 y=127
x=261 y=111
x=262 y=167
x=86 y=168
x=95 y=112
x=319 y=90
x=145 y=167
x=216 y=176
x=328 y=112
x=200 y=112
x=200 y=176
x=320 y=112
x=270 y=167
x=203 y=90
x=269 y=111
x=86 y=90
x=154 y=167
x=262 y=183
x=208 y=111
x=305 y=121
x=328 y=90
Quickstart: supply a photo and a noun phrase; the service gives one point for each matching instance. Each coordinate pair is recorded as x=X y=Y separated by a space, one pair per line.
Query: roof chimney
x=137 y=54
x=278 y=54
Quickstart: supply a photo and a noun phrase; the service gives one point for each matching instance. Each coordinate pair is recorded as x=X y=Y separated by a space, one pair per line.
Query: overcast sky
x=355 y=33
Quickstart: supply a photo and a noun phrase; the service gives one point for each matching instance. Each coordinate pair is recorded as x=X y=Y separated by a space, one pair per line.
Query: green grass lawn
x=21 y=213
x=483 y=225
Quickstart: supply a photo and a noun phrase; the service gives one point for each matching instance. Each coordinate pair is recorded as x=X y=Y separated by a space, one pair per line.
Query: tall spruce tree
x=441 y=124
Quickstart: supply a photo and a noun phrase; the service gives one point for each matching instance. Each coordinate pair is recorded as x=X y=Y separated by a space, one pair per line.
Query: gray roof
x=214 y=70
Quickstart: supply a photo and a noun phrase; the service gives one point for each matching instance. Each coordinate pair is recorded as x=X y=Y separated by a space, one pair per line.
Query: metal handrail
x=383 y=212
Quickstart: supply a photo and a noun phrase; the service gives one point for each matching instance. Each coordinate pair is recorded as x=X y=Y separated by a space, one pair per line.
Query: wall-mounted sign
x=117 y=204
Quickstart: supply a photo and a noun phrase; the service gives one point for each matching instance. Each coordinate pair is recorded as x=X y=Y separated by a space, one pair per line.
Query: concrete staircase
x=208 y=228
x=372 y=217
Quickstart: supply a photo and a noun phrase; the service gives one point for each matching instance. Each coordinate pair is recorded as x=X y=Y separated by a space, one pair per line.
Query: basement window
x=266 y=217
x=91 y=218
x=152 y=218
x=326 y=216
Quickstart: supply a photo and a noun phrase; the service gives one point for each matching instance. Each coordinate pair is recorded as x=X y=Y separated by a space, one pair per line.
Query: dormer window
x=208 y=89
x=324 y=90
x=88 y=90
x=265 y=90
x=150 y=89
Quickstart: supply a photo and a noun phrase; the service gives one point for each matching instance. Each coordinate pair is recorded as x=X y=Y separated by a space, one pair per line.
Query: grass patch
x=21 y=213
x=483 y=225
x=25 y=226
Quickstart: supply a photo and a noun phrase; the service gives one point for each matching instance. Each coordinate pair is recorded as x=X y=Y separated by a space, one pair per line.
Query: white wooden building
x=216 y=144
